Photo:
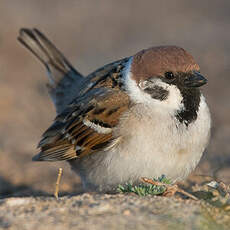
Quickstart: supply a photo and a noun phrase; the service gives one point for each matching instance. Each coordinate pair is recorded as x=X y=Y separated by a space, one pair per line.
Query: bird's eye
x=169 y=75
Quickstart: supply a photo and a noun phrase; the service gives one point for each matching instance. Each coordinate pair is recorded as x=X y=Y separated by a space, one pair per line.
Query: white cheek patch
x=172 y=103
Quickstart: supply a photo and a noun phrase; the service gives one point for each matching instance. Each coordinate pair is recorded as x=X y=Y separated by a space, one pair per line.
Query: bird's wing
x=64 y=79
x=86 y=125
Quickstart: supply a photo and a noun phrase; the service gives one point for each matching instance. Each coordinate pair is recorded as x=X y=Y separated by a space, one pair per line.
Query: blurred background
x=91 y=34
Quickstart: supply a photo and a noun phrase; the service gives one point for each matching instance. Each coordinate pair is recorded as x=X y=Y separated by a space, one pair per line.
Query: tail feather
x=46 y=52
x=64 y=79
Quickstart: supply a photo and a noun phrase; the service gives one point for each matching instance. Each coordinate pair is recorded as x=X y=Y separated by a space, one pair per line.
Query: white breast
x=148 y=148
x=154 y=145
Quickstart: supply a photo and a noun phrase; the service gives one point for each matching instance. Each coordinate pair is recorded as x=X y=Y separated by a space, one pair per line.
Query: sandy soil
x=97 y=211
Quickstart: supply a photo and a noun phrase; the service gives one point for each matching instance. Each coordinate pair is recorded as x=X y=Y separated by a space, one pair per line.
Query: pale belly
x=148 y=148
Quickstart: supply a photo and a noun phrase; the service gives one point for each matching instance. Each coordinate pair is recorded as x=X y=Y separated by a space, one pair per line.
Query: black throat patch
x=191 y=101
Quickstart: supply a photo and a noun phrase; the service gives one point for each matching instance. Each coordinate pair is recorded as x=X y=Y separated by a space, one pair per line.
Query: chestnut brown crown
x=156 y=61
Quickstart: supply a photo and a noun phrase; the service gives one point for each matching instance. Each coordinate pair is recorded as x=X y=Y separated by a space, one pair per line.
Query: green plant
x=144 y=189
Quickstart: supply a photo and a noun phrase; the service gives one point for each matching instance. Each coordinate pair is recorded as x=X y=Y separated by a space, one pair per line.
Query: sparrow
x=141 y=116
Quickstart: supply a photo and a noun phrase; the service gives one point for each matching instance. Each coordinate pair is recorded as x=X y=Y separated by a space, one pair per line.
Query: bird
x=140 y=116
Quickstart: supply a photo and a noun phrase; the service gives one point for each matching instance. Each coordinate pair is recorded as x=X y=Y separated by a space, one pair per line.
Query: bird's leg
x=170 y=189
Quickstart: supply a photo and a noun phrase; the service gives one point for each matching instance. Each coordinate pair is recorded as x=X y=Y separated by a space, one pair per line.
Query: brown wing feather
x=86 y=131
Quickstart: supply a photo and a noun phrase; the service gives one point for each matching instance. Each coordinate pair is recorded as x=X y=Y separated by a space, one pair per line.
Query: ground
x=103 y=211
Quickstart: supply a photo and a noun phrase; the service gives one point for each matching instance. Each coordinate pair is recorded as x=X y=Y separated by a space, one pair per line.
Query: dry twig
x=170 y=189
x=58 y=183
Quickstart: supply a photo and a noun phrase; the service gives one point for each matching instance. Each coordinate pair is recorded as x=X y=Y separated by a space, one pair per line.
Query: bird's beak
x=195 y=80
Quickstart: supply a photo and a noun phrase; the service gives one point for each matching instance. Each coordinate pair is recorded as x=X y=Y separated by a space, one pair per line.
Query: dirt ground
x=92 y=33
x=103 y=211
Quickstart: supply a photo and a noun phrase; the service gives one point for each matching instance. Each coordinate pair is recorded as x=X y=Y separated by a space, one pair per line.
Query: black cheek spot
x=157 y=92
